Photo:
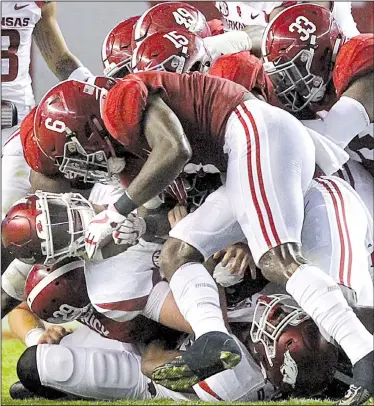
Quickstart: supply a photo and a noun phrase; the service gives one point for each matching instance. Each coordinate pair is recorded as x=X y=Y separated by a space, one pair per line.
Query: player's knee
x=27 y=371
x=176 y=253
x=279 y=263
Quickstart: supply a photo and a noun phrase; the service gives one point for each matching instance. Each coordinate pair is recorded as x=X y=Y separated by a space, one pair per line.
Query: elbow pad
x=14 y=278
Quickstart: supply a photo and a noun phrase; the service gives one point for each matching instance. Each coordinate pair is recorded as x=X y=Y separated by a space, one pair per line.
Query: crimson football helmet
x=299 y=48
x=172 y=51
x=46 y=227
x=70 y=131
x=170 y=16
x=117 y=51
x=292 y=352
x=58 y=294
x=34 y=156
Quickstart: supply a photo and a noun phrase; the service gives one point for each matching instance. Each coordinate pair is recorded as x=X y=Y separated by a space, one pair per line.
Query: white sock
x=320 y=297
x=196 y=295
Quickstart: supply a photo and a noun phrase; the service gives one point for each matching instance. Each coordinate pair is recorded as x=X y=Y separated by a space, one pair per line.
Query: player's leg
x=119 y=286
x=195 y=238
x=271 y=164
x=92 y=373
x=15 y=173
x=334 y=237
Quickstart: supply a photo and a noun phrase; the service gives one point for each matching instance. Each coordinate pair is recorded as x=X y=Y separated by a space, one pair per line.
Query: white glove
x=224 y=277
x=130 y=230
x=100 y=229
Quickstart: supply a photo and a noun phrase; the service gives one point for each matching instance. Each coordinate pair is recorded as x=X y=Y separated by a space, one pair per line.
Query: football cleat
x=355 y=396
x=18 y=392
x=210 y=354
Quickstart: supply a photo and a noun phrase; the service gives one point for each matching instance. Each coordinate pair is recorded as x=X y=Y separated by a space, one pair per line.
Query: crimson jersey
x=246 y=70
x=139 y=329
x=201 y=102
x=355 y=59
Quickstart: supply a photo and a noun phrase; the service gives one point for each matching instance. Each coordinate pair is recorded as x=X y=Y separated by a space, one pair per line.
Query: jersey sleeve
x=123 y=111
x=34 y=156
x=355 y=59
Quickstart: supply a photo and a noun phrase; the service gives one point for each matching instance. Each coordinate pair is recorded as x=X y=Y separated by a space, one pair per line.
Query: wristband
x=33 y=336
x=82 y=73
x=124 y=205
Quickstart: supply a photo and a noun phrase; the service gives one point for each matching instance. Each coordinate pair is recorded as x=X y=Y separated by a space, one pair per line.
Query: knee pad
x=27 y=371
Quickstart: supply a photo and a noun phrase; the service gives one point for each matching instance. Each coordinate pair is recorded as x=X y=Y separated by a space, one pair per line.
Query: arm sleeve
x=123 y=110
x=355 y=59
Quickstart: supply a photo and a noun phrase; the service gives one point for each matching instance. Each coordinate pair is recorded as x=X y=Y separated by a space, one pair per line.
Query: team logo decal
x=289 y=369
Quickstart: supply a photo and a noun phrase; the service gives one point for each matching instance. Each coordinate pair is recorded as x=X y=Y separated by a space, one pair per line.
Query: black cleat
x=18 y=392
x=210 y=354
x=363 y=382
x=354 y=397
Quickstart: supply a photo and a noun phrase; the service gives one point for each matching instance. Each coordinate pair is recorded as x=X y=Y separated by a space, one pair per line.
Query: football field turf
x=12 y=349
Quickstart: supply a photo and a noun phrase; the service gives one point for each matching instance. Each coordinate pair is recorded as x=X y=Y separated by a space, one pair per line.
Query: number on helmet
x=177 y=39
x=304 y=27
x=184 y=17
x=57 y=125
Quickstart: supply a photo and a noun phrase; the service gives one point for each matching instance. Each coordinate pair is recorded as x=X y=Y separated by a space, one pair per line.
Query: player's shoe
x=210 y=354
x=18 y=392
x=355 y=396
x=363 y=382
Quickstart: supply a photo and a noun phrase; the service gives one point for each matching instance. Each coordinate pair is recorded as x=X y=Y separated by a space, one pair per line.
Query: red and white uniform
x=97 y=367
x=237 y=15
x=17 y=24
x=257 y=144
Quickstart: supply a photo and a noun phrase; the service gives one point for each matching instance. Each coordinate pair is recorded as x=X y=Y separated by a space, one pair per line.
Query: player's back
x=202 y=103
x=17 y=24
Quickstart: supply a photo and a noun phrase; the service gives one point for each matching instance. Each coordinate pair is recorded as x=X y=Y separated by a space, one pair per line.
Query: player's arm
x=277 y=10
x=30 y=329
x=170 y=151
x=51 y=43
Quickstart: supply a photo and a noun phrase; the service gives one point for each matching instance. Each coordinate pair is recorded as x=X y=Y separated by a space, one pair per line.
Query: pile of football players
x=205 y=210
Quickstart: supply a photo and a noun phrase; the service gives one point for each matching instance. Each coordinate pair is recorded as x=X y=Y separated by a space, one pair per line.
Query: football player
x=254 y=16
x=20 y=23
x=227 y=117
x=294 y=338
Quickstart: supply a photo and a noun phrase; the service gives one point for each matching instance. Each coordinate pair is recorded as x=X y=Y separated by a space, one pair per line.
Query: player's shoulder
x=355 y=58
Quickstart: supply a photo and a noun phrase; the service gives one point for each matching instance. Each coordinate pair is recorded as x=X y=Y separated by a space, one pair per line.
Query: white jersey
x=17 y=24
x=237 y=15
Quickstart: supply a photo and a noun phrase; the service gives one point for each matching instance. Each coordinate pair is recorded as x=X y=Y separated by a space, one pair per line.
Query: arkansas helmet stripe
x=52 y=277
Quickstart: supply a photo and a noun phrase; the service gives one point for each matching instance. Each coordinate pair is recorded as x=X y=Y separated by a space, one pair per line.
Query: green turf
x=12 y=349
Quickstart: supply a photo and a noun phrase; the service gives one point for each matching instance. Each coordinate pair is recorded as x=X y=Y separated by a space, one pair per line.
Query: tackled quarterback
x=202 y=208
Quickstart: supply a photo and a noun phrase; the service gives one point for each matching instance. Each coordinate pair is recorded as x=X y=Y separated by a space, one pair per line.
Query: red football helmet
x=172 y=51
x=299 y=48
x=46 y=227
x=117 y=51
x=58 y=294
x=291 y=350
x=34 y=156
x=69 y=130
x=170 y=16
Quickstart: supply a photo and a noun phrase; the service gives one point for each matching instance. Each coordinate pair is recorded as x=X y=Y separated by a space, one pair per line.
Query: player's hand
x=238 y=256
x=176 y=214
x=130 y=230
x=100 y=230
x=54 y=334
